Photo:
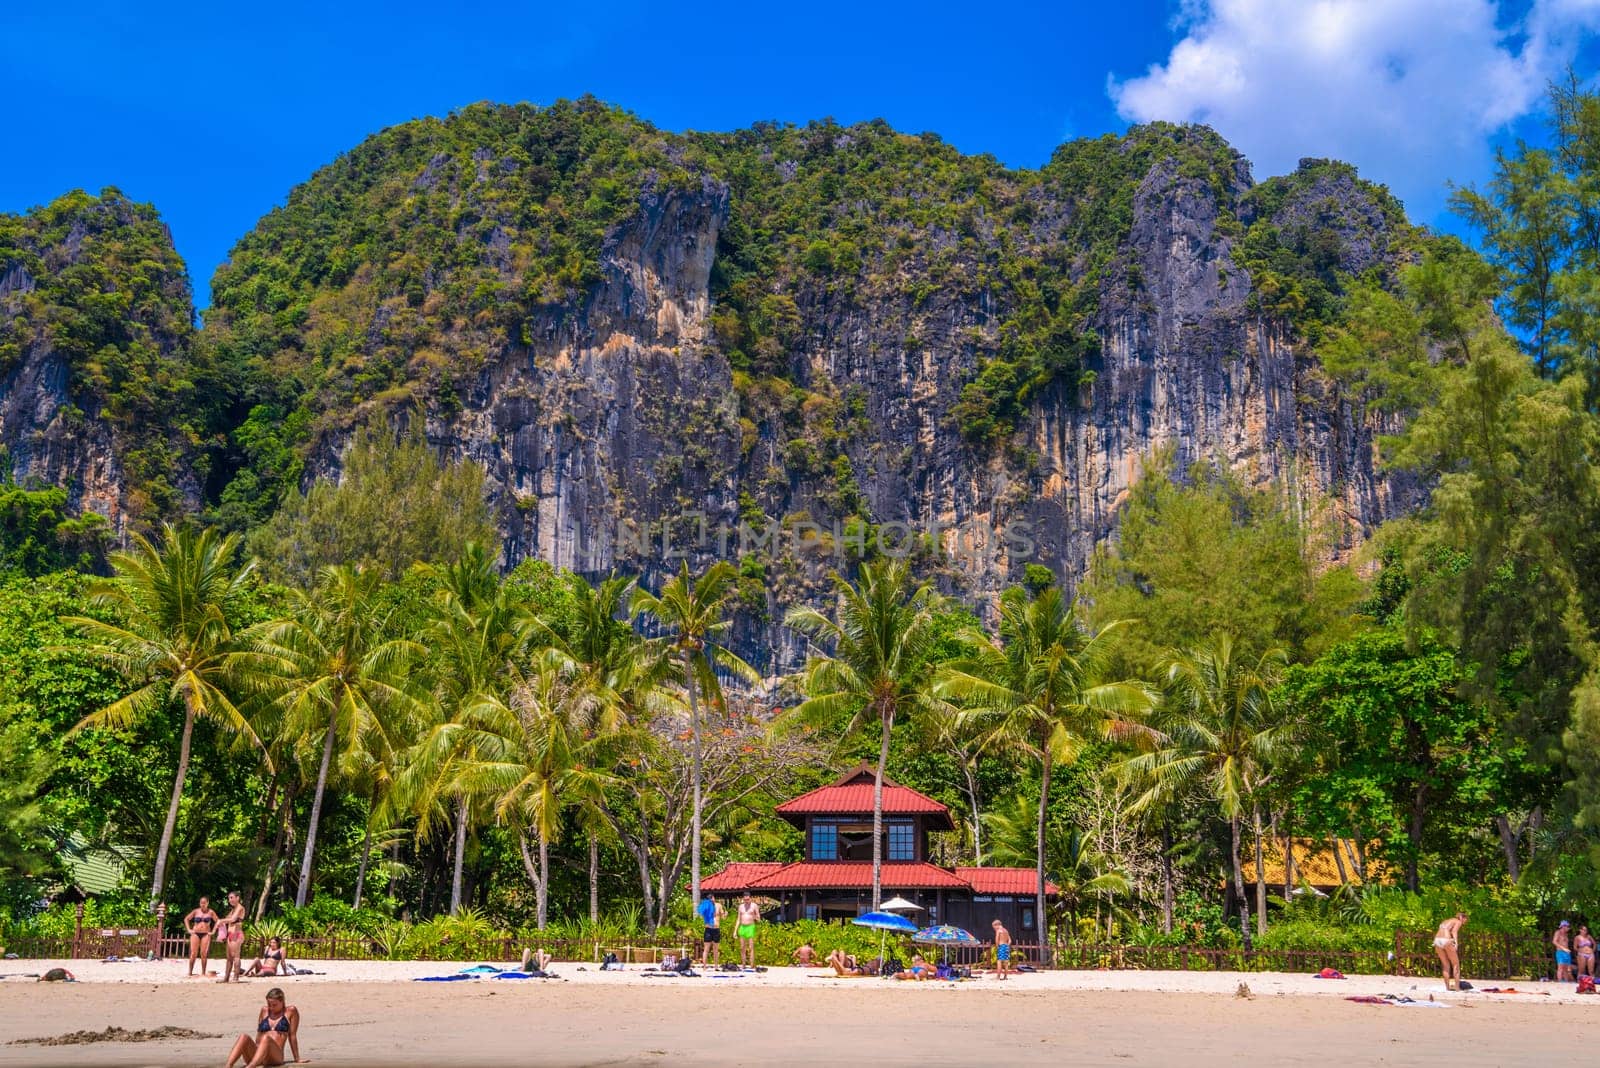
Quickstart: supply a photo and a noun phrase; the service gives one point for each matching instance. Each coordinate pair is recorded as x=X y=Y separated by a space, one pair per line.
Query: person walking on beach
x=749 y=916
x=1002 y=949
x=1585 y=947
x=277 y=1026
x=1562 y=940
x=200 y=923
x=1445 y=945
x=232 y=931
x=711 y=911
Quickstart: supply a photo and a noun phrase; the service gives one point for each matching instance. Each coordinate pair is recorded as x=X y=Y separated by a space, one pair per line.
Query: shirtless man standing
x=1562 y=940
x=749 y=916
x=1002 y=949
x=1445 y=944
x=232 y=931
x=711 y=911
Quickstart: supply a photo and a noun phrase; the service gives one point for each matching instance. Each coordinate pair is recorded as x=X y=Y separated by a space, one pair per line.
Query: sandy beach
x=371 y=1013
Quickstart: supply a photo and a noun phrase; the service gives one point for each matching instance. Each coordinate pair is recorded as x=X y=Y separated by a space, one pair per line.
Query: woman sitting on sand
x=919 y=970
x=270 y=961
x=277 y=1026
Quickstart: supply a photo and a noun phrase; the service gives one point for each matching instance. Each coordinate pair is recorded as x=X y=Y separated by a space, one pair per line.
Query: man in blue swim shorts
x=1562 y=940
x=1002 y=950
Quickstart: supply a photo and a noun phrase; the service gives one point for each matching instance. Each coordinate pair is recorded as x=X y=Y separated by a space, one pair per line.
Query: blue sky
x=213 y=113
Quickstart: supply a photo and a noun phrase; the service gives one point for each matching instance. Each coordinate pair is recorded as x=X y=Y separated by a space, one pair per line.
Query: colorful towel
x=444 y=978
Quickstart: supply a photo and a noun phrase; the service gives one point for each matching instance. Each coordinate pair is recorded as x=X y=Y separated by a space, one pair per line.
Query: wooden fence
x=1483 y=956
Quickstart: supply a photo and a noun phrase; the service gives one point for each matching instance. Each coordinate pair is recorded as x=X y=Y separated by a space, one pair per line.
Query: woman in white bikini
x=1445 y=943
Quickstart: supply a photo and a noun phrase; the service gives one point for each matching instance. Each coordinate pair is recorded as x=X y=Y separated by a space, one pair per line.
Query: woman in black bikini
x=200 y=923
x=277 y=1026
x=270 y=961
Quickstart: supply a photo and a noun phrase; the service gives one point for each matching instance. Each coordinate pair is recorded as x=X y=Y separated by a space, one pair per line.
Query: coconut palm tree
x=875 y=665
x=1222 y=732
x=345 y=684
x=1041 y=689
x=477 y=636
x=535 y=753
x=623 y=676
x=1080 y=871
x=691 y=611
x=177 y=609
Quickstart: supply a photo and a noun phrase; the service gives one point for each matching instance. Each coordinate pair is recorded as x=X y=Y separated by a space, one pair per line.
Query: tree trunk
x=1166 y=876
x=970 y=772
x=461 y=856
x=694 y=728
x=887 y=718
x=1261 y=880
x=594 y=879
x=1039 y=897
x=366 y=856
x=1238 y=886
x=1419 y=800
x=285 y=818
x=1338 y=862
x=1508 y=845
x=304 y=889
x=167 y=830
x=538 y=875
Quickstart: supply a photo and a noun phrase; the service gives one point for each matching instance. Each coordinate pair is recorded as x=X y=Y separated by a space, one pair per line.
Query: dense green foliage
x=96 y=281
x=435 y=736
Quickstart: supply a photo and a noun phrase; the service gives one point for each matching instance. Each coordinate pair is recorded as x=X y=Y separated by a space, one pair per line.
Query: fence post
x=161 y=930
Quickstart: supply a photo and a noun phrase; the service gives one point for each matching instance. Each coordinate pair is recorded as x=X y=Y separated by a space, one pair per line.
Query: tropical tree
x=1040 y=689
x=875 y=663
x=345 y=684
x=691 y=611
x=1222 y=731
x=177 y=609
x=535 y=752
x=622 y=677
x=1079 y=870
x=477 y=635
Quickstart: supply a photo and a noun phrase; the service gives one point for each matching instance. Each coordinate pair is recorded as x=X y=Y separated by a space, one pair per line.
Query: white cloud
x=1408 y=90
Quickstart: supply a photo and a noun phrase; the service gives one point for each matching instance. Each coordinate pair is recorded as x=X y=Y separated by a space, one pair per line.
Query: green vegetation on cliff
x=96 y=282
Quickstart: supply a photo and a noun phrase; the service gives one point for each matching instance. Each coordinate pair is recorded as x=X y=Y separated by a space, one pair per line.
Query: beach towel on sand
x=444 y=978
x=1329 y=973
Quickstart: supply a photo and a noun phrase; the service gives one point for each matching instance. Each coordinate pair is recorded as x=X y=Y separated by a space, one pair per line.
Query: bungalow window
x=824 y=841
x=902 y=841
x=1027 y=919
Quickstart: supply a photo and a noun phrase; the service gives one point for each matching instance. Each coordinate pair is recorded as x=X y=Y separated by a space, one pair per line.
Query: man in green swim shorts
x=749 y=916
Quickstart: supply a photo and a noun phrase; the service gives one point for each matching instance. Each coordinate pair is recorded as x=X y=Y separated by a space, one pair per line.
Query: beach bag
x=1586 y=984
x=684 y=964
x=892 y=966
x=611 y=963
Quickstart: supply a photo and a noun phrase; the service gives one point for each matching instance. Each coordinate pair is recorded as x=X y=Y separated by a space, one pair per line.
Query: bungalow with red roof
x=834 y=882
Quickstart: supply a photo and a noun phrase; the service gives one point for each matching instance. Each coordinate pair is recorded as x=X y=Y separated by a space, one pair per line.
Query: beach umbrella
x=900 y=904
x=946 y=935
x=883 y=923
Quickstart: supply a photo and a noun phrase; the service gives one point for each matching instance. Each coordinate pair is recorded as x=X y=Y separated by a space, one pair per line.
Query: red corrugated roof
x=764 y=876
x=852 y=796
x=738 y=875
x=838 y=875
x=1005 y=881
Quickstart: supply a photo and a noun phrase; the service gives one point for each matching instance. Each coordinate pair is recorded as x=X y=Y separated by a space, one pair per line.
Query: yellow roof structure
x=1314 y=862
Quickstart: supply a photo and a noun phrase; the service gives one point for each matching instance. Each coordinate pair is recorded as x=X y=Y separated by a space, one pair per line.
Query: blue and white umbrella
x=883 y=923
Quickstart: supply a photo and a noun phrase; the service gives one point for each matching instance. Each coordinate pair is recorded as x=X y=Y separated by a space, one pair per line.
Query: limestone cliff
x=96 y=329
x=776 y=344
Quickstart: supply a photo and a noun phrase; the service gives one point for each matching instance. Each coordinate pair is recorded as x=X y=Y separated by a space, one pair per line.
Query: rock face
x=774 y=346
x=95 y=337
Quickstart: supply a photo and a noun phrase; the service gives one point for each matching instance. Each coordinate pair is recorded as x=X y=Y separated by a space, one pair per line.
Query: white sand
x=369 y=1013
